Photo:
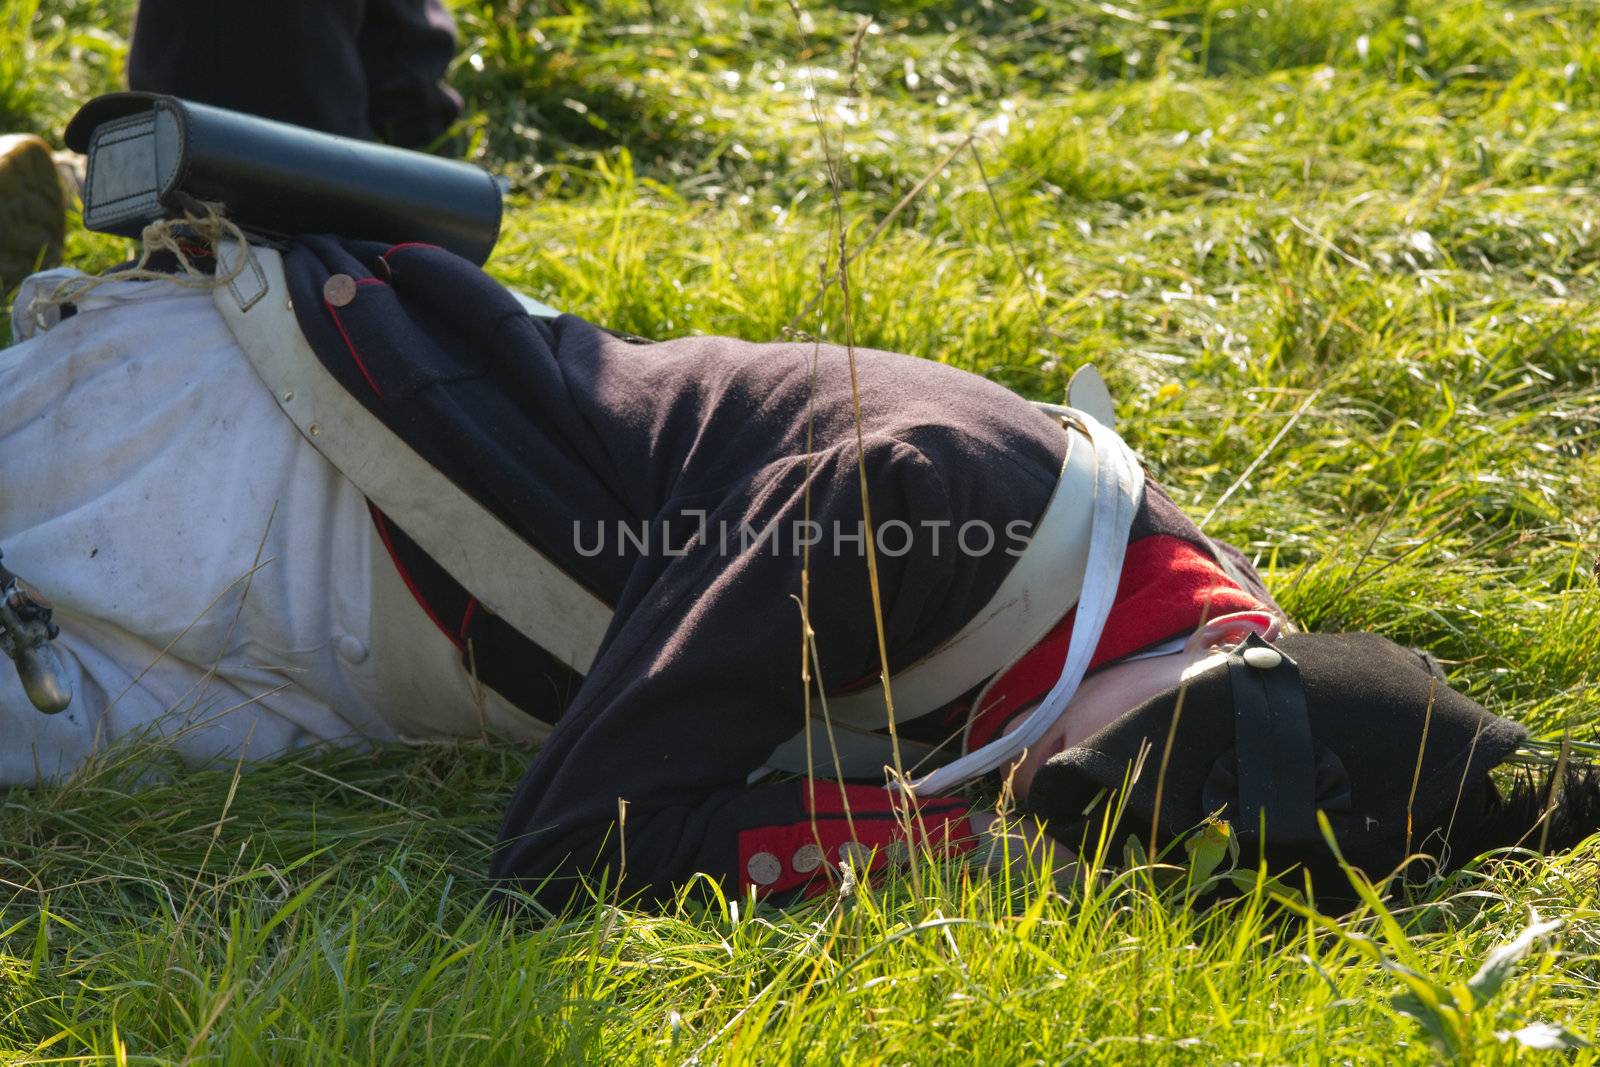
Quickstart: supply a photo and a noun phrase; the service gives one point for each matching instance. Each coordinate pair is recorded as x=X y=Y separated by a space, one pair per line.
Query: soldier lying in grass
x=408 y=509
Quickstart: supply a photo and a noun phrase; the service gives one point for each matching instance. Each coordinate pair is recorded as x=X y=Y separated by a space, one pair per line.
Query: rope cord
x=203 y=223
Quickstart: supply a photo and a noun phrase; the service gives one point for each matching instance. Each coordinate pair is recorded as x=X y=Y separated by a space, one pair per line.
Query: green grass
x=1338 y=254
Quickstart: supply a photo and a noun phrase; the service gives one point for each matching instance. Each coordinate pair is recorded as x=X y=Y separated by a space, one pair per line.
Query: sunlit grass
x=1337 y=260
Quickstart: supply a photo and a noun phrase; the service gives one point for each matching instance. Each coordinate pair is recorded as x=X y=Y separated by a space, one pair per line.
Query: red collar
x=1168 y=587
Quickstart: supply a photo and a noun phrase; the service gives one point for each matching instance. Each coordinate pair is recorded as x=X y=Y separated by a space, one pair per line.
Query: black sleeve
x=356 y=68
x=700 y=679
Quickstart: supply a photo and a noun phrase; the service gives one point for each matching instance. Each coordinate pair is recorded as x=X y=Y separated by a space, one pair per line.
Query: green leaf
x=1427 y=1018
x=1133 y=854
x=1498 y=965
x=1429 y=1004
x=1207 y=847
x=1246 y=882
x=1545 y=1036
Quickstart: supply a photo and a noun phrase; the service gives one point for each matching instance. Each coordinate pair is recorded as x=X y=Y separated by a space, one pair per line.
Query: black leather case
x=148 y=153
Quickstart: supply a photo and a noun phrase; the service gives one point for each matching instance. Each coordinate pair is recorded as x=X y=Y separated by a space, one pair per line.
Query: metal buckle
x=1071 y=421
x=25 y=635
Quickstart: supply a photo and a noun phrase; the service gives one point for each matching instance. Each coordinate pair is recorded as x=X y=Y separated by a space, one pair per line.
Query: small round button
x=1263 y=659
x=339 y=290
x=806 y=859
x=352 y=649
x=763 y=868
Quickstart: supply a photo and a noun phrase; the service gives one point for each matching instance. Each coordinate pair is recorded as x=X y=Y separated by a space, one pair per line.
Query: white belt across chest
x=1072 y=561
x=490 y=560
x=1073 y=558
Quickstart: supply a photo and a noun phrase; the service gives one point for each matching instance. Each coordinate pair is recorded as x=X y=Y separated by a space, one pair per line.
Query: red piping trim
x=407 y=244
x=382 y=522
x=360 y=365
x=466 y=618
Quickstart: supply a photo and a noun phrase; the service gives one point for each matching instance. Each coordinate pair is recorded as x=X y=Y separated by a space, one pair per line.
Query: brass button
x=339 y=290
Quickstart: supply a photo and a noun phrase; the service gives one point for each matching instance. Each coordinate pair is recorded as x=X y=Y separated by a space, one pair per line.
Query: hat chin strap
x=1277 y=766
x=1118 y=482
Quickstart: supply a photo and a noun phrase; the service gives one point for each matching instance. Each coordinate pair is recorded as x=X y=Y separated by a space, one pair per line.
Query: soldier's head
x=1268 y=733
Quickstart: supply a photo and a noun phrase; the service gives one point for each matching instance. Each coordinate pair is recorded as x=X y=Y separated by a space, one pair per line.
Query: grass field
x=1337 y=259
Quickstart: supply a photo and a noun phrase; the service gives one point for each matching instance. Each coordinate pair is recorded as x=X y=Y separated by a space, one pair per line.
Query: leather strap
x=1118 y=488
x=508 y=576
x=1041 y=587
x=1277 y=767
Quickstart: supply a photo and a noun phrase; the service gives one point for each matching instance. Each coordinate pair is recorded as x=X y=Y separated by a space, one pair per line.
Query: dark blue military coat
x=564 y=431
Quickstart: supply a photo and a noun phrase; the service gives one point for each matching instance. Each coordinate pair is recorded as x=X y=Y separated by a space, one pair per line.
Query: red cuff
x=785 y=857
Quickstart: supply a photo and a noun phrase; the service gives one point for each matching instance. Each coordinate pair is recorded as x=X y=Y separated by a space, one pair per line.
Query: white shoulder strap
x=1077 y=547
x=1119 y=480
x=1041 y=587
x=507 y=575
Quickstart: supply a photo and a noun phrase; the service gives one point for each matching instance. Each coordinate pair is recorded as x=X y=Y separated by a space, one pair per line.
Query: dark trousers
x=361 y=68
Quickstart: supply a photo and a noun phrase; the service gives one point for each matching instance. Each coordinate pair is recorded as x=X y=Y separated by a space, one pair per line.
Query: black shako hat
x=1277 y=732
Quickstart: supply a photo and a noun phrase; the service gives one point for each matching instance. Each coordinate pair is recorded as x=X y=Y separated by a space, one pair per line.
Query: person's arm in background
x=370 y=69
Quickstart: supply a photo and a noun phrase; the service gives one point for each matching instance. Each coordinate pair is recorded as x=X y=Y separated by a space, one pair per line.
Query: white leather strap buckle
x=1119 y=484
